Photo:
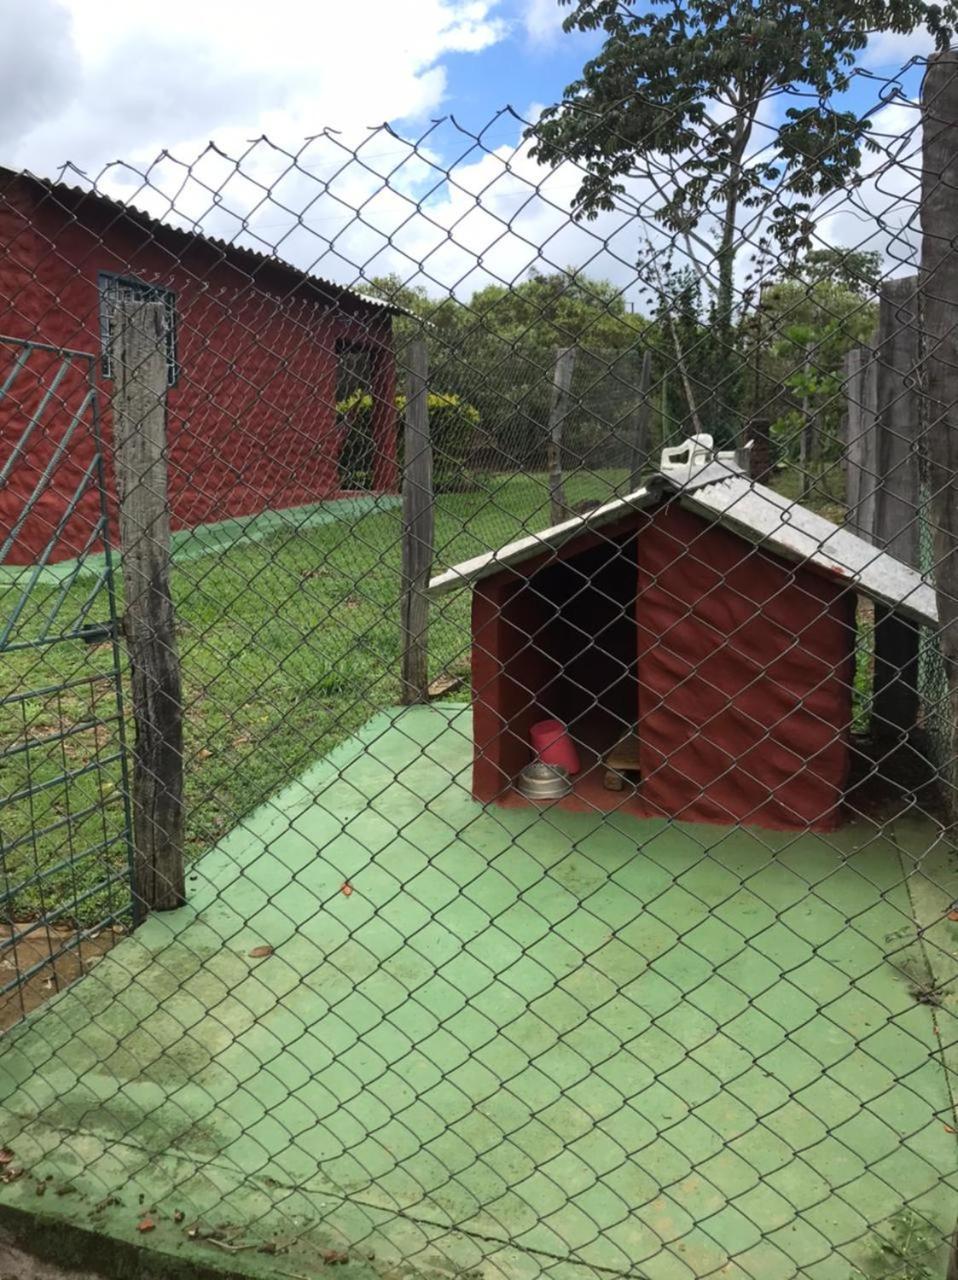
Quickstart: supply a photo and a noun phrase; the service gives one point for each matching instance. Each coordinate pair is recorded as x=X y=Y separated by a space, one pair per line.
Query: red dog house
x=255 y=352
x=712 y=623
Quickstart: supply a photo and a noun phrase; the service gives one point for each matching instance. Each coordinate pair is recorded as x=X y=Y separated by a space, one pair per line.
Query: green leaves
x=675 y=95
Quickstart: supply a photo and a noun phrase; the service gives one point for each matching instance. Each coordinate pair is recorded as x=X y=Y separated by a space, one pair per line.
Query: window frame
x=109 y=285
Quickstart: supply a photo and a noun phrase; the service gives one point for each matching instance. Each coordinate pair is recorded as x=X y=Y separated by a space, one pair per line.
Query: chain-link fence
x=475 y=730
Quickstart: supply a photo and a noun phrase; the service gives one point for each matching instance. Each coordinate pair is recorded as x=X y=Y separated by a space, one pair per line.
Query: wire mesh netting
x=476 y=729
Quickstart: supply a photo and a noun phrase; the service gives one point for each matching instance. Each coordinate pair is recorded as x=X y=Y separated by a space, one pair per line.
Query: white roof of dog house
x=724 y=495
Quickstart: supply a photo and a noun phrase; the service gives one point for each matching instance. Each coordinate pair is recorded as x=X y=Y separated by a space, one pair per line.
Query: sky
x=108 y=86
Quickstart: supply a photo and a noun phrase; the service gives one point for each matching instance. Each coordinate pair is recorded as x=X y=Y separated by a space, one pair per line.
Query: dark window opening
x=115 y=289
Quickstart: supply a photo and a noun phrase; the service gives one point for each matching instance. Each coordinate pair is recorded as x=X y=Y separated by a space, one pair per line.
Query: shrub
x=453 y=425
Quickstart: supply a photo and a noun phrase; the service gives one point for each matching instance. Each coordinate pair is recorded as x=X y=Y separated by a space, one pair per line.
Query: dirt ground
x=63 y=954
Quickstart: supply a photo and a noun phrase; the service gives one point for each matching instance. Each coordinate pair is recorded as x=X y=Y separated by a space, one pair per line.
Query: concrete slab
x=516 y=1041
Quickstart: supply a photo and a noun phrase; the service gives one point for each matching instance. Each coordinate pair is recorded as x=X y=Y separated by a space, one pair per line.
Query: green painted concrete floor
x=208 y=539
x=524 y=1042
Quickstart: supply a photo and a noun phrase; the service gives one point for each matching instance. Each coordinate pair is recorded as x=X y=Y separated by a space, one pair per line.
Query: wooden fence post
x=138 y=357
x=561 y=388
x=862 y=441
x=808 y=441
x=939 y=305
x=418 y=528
x=852 y=454
x=641 y=426
x=897 y=357
x=897 y=500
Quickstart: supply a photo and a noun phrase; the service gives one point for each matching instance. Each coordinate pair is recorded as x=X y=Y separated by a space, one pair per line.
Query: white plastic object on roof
x=682 y=461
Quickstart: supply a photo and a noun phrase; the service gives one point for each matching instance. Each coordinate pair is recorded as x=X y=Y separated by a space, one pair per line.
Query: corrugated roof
x=726 y=497
x=69 y=197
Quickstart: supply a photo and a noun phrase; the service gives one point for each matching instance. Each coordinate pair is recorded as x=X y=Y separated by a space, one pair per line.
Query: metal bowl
x=540 y=781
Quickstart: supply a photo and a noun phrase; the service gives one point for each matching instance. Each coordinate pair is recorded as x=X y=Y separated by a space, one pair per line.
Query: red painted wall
x=251 y=421
x=744 y=677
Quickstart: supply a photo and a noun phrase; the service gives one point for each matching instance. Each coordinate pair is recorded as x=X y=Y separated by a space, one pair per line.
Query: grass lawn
x=287 y=646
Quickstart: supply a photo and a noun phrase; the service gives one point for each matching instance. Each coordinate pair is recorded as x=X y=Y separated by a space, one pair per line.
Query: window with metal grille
x=113 y=289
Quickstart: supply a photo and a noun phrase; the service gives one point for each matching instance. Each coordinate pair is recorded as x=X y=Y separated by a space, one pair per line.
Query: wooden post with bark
x=139 y=366
x=559 y=411
x=641 y=425
x=939 y=306
x=418 y=529
x=897 y=502
x=808 y=440
x=854 y=442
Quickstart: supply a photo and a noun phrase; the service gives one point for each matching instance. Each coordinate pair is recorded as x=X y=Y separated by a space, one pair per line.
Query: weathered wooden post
x=896 y=507
x=861 y=447
x=418 y=529
x=138 y=356
x=641 y=425
x=853 y=442
x=808 y=442
x=561 y=389
x=939 y=306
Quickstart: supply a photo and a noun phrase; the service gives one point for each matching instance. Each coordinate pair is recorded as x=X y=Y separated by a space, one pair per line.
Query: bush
x=453 y=425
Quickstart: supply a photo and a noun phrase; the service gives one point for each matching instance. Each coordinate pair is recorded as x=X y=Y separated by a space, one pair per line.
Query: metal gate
x=65 y=834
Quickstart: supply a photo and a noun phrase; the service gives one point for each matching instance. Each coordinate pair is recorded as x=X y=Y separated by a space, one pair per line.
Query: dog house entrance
x=587 y=633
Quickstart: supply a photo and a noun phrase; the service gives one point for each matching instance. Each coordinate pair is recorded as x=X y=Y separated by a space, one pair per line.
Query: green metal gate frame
x=38 y=619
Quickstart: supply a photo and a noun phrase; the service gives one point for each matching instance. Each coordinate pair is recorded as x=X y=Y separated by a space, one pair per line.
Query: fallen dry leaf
x=178 y=1215
x=145 y=1224
x=949 y=1128
x=334 y=1257
x=347 y=889
x=953 y=915
x=258 y=953
x=6 y=1155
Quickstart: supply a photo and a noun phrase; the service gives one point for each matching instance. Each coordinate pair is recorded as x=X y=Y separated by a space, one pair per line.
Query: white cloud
x=893 y=49
x=98 y=79
x=90 y=80
x=881 y=213
x=542 y=20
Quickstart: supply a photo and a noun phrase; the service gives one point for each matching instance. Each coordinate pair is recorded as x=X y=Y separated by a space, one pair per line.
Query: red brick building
x=255 y=349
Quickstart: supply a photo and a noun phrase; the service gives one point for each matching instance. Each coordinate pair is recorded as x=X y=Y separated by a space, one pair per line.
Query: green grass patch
x=287 y=646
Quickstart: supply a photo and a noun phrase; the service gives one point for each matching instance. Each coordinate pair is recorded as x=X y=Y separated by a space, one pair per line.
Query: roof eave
x=73 y=197
x=891 y=582
x=472 y=571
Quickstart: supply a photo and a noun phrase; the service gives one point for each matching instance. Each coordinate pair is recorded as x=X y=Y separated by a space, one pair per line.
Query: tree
x=497 y=351
x=795 y=345
x=675 y=95
x=857 y=270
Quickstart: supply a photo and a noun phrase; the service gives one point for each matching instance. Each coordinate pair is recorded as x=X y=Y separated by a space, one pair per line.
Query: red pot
x=552 y=744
